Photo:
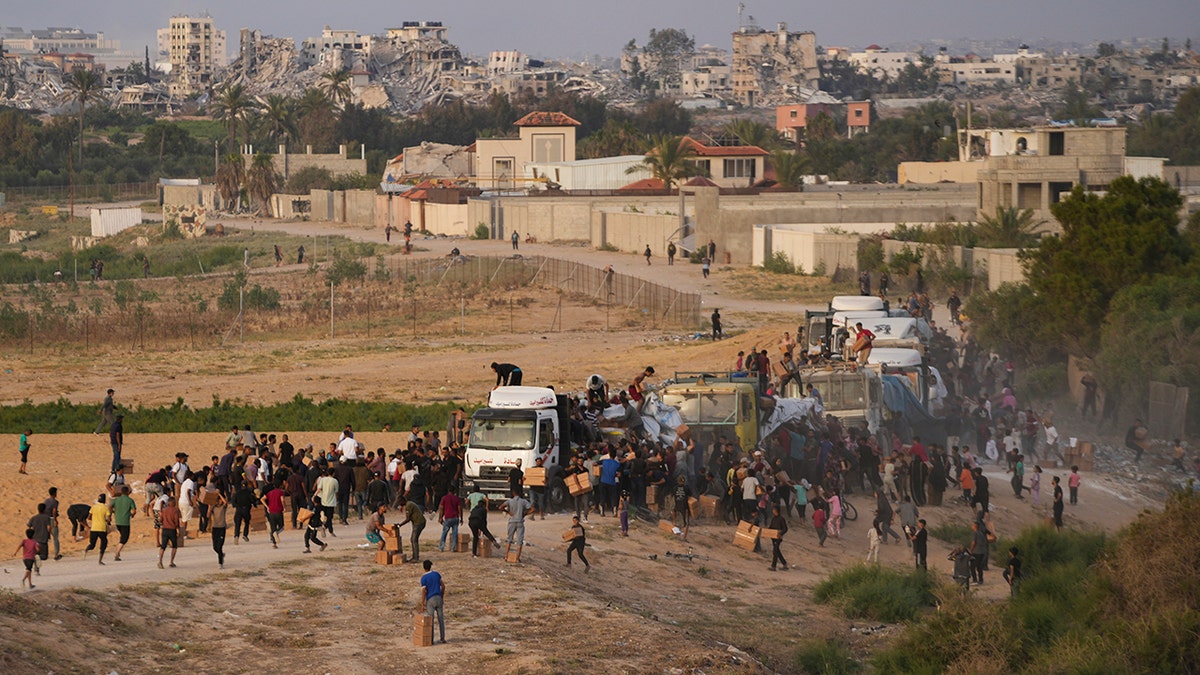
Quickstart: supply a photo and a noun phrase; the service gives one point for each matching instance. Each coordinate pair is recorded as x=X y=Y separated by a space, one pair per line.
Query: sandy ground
x=341 y=613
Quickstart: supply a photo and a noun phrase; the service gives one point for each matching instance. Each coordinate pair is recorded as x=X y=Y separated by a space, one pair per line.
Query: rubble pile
x=414 y=72
x=271 y=67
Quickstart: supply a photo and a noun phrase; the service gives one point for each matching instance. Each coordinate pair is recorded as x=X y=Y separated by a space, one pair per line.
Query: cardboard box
x=485 y=548
x=569 y=535
x=693 y=507
x=1087 y=450
x=666 y=526
x=579 y=484
x=127 y=462
x=682 y=429
x=746 y=526
x=385 y=558
x=651 y=495
x=710 y=507
x=210 y=496
x=596 y=470
x=769 y=534
x=422 y=630
x=514 y=556
x=464 y=543
x=535 y=476
x=391 y=538
x=744 y=540
x=303 y=515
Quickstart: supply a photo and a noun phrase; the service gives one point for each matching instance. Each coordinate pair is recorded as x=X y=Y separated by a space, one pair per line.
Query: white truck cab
x=519 y=423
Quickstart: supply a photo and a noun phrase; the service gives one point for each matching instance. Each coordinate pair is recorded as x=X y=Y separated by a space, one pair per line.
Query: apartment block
x=195 y=49
x=772 y=67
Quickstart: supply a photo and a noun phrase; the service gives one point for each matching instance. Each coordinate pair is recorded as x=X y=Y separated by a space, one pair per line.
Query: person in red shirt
x=170 y=518
x=449 y=515
x=864 y=339
x=28 y=549
x=274 y=503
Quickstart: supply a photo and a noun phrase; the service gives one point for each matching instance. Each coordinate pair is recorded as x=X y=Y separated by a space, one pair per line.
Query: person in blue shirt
x=609 y=470
x=433 y=592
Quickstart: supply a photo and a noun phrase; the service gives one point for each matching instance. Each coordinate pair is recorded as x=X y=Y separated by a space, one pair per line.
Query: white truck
x=519 y=423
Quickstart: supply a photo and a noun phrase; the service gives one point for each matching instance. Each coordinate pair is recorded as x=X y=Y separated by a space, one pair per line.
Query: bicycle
x=848 y=510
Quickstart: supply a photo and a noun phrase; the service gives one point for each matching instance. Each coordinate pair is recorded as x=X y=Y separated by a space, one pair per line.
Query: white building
x=604 y=173
x=878 y=62
x=507 y=61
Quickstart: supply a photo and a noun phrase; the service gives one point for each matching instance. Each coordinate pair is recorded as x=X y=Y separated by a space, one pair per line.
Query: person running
x=273 y=500
x=218 y=523
x=577 y=543
x=107 y=413
x=171 y=519
x=28 y=549
x=100 y=517
x=123 y=511
x=313 y=528
x=779 y=524
x=23 y=448
x=682 y=509
x=433 y=590
x=647 y=254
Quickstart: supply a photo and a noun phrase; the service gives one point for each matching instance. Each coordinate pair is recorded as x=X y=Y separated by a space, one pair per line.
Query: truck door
x=546 y=442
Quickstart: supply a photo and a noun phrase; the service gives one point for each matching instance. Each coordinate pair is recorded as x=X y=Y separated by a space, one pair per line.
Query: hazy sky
x=573 y=28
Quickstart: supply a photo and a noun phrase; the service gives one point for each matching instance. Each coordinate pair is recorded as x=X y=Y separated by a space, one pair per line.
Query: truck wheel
x=557 y=495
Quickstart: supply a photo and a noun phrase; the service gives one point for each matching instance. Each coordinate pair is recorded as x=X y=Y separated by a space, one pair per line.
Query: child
x=873 y=543
x=1035 y=484
x=623 y=513
x=819 y=519
x=1073 y=484
x=835 y=515
x=962 y=566
x=314 y=528
x=28 y=549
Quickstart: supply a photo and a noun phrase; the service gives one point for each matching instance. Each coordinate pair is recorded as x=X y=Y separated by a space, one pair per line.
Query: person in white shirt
x=1051 y=439
x=749 y=498
x=187 y=502
x=348 y=447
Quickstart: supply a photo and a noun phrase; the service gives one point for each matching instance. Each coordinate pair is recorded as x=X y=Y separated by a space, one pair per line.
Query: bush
x=309 y=178
x=345 y=268
x=780 y=263
x=482 y=231
x=877 y=593
x=824 y=657
x=1045 y=382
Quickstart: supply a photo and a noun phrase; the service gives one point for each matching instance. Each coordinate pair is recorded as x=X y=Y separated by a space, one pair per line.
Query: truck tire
x=557 y=495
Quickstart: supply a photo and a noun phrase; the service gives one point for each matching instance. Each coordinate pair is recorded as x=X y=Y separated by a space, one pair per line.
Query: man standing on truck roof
x=507 y=375
x=862 y=343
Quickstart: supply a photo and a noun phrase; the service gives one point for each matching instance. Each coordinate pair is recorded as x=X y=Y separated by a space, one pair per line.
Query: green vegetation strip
x=298 y=414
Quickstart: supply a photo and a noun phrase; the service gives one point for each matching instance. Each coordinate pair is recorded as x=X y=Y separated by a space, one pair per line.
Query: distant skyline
x=576 y=29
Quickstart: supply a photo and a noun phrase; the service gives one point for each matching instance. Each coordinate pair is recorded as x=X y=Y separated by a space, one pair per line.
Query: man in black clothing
x=1012 y=573
x=779 y=525
x=286 y=451
x=920 y=544
x=980 y=496
x=507 y=374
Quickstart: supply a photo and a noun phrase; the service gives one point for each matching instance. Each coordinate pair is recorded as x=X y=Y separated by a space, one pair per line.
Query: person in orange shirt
x=967 y=480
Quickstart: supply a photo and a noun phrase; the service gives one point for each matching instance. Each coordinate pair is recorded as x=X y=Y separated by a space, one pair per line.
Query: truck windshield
x=708 y=408
x=503 y=434
x=843 y=391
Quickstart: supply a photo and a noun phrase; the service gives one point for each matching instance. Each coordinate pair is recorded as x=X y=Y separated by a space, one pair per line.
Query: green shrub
x=1044 y=382
x=482 y=231
x=608 y=247
x=958 y=534
x=780 y=263
x=876 y=593
x=824 y=657
x=345 y=269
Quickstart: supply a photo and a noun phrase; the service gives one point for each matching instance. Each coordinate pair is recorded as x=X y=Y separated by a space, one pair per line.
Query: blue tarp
x=910 y=418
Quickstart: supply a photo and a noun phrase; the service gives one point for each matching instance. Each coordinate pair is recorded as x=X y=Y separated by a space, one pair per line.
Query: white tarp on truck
x=107 y=222
x=788 y=410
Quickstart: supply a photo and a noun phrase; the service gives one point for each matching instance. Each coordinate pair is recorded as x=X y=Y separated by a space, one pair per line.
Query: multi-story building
x=878 y=62
x=410 y=31
x=104 y=53
x=507 y=61
x=196 y=49
x=335 y=48
x=772 y=66
x=1048 y=72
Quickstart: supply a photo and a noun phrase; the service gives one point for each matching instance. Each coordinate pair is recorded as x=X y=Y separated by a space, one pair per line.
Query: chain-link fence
x=391 y=298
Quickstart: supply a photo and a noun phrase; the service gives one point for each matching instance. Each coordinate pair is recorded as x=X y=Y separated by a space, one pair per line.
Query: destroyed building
x=773 y=67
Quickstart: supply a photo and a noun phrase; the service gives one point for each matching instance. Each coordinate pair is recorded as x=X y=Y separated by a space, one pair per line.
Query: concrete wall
x=807 y=249
x=338 y=164
x=291 y=206
x=447 y=219
x=1001 y=264
x=1182 y=177
x=107 y=222
x=191 y=195
x=557 y=218
x=322 y=204
x=925 y=173
x=932 y=255
x=358 y=207
x=634 y=231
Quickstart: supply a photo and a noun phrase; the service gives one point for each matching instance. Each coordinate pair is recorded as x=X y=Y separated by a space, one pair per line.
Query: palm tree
x=337 y=85
x=670 y=160
x=279 y=117
x=230 y=176
x=232 y=105
x=790 y=168
x=82 y=83
x=261 y=180
x=751 y=132
x=1010 y=228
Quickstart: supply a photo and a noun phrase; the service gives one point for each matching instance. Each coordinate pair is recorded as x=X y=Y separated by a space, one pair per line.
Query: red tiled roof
x=546 y=119
x=701 y=181
x=643 y=184
x=702 y=150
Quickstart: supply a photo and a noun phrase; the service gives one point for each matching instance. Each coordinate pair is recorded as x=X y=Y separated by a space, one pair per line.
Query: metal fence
x=102 y=191
x=659 y=306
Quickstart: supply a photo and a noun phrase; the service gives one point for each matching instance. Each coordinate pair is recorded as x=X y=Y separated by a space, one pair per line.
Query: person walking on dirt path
x=647 y=254
x=100 y=517
x=312 y=528
x=40 y=524
x=717 y=331
x=28 y=550
x=116 y=438
x=107 y=413
x=920 y=544
x=412 y=514
x=51 y=503
x=516 y=241
x=518 y=508
x=705 y=264
x=1135 y=439
x=278 y=256
x=1058 y=503
x=433 y=595
x=218 y=524
x=123 y=511
x=779 y=524
x=712 y=250
x=507 y=375
x=300 y=254
x=671 y=253
x=23 y=448
x=171 y=519
x=273 y=500
x=449 y=515
x=577 y=543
